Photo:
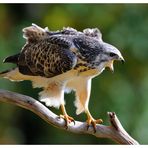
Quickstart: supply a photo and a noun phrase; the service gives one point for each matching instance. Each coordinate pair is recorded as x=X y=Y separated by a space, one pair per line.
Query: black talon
x=67 y=120
x=87 y=127
x=73 y=122
x=66 y=123
x=94 y=128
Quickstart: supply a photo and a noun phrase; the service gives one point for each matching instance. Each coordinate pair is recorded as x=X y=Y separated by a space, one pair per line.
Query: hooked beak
x=121 y=59
x=111 y=66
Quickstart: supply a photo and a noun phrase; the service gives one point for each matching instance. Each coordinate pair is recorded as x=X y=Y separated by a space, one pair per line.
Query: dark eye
x=112 y=54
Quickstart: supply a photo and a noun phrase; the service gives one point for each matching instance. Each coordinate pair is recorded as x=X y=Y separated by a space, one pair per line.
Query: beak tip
x=123 y=61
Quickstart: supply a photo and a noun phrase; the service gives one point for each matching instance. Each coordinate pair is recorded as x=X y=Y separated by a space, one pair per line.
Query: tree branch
x=115 y=131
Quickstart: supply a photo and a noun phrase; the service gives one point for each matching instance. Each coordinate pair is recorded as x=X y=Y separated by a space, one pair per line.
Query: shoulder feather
x=94 y=32
x=35 y=33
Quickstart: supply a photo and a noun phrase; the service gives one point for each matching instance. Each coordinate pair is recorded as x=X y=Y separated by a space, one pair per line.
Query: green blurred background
x=124 y=92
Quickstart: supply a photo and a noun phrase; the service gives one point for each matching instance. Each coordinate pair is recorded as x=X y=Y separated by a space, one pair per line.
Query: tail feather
x=13 y=75
x=5 y=73
x=12 y=59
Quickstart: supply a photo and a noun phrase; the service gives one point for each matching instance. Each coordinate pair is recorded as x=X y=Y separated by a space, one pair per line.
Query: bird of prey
x=61 y=61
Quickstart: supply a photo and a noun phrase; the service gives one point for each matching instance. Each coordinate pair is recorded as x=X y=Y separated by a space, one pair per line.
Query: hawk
x=61 y=61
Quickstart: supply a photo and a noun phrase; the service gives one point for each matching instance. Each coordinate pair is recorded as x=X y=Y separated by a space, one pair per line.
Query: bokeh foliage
x=125 y=91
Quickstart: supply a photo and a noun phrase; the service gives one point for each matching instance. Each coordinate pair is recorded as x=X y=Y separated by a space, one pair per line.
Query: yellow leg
x=66 y=117
x=91 y=121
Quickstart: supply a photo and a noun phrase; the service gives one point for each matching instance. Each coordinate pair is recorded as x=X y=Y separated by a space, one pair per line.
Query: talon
x=93 y=122
x=87 y=126
x=67 y=119
x=73 y=121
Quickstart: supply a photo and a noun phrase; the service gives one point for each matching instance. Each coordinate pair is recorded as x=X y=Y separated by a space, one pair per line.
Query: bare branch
x=115 y=131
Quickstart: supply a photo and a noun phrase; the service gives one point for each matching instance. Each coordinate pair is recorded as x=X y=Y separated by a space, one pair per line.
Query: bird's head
x=108 y=55
x=103 y=54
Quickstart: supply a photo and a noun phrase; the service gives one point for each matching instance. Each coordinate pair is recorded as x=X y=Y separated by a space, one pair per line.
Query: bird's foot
x=67 y=119
x=93 y=122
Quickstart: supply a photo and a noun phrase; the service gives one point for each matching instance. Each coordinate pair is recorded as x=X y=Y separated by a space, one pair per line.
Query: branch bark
x=115 y=131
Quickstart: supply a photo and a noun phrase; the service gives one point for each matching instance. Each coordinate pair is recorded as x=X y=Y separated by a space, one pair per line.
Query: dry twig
x=115 y=131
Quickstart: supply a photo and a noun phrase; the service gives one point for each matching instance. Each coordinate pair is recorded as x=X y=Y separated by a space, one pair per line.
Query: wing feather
x=46 y=58
x=45 y=53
